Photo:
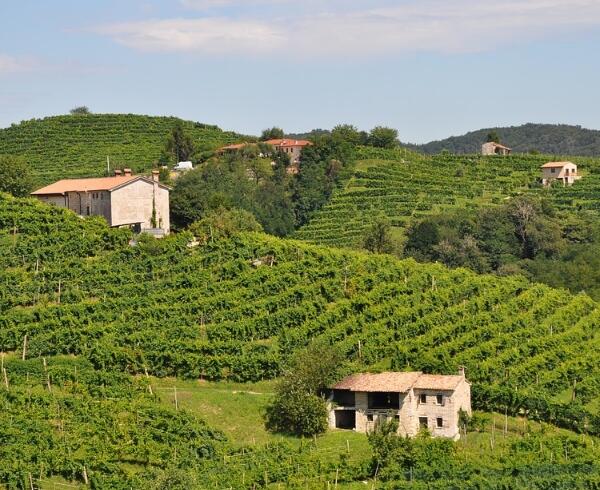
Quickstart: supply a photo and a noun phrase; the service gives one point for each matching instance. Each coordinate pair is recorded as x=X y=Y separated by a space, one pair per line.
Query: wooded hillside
x=551 y=139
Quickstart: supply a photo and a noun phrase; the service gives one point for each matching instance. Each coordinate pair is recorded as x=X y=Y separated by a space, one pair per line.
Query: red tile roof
x=288 y=142
x=556 y=164
x=398 y=382
x=89 y=185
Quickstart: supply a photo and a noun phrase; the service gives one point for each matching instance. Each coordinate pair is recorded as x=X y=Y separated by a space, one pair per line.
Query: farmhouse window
x=439 y=399
x=439 y=422
x=423 y=398
x=553 y=170
x=370 y=417
x=423 y=422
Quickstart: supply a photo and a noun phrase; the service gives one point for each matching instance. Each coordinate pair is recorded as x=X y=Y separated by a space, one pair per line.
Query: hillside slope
x=402 y=186
x=236 y=309
x=77 y=145
x=551 y=139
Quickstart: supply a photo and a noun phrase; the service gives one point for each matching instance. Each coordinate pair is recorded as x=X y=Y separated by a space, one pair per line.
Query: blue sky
x=430 y=68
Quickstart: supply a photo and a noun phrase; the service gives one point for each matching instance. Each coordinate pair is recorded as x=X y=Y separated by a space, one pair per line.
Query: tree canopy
x=15 y=176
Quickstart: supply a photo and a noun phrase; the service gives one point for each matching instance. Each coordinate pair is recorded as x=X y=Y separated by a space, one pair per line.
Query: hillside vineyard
x=236 y=309
x=403 y=185
x=77 y=145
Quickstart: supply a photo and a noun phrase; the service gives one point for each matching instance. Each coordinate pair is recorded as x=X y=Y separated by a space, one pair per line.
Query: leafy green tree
x=15 y=176
x=298 y=407
x=378 y=237
x=383 y=137
x=80 y=111
x=272 y=134
x=349 y=134
x=223 y=223
x=492 y=137
x=179 y=144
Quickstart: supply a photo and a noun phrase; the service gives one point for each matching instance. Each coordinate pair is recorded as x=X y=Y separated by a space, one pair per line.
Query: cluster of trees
x=15 y=176
x=379 y=136
x=255 y=179
x=526 y=235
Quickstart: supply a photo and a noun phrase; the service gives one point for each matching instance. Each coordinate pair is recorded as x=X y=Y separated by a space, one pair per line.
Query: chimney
x=461 y=371
x=127 y=172
x=155 y=175
x=117 y=172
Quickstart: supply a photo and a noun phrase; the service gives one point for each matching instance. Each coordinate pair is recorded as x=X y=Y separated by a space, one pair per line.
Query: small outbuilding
x=415 y=400
x=565 y=172
x=493 y=148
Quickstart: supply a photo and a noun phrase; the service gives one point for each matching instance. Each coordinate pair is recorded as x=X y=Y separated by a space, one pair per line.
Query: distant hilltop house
x=291 y=147
x=493 y=148
x=565 y=172
x=124 y=200
x=414 y=399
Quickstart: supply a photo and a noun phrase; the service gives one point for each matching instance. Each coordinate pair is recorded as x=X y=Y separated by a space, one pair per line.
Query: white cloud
x=413 y=26
x=209 y=36
x=10 y=64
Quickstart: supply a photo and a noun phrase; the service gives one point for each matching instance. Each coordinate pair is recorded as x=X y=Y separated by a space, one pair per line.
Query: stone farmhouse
x=414 y=399
x=124 y=200
x=495 y=149
x=565 y=172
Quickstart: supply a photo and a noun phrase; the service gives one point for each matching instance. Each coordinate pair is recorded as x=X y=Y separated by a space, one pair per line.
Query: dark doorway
x=345 y=419
x=423 y=423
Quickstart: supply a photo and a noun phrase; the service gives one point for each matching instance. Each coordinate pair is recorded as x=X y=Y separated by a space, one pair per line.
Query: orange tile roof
x=85 y=185
x=556 y=164
x=397 y=382
x=288 y=142
x=499 y=145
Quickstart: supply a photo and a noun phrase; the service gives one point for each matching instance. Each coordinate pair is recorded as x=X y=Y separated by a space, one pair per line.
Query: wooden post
x=148 y=377
x=337 y=473
x=31 y=482
x=175 y=396
x=24 y=348
x=85 y=476
x=359 y=350
x=347 y=446
x=505 y=421
x=5 y=377
x=58 y=299
x=47 y=375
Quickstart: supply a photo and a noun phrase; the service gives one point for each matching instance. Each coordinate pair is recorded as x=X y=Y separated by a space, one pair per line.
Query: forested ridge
x=551 y=139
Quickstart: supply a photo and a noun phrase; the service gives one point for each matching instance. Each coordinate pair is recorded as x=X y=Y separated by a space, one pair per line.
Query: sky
x=430 y=68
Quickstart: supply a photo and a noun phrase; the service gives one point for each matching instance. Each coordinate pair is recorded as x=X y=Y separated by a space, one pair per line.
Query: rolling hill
x=236 y=309
x=550 y=139
x=78 y=145
x=403 y=185
x=99 y=318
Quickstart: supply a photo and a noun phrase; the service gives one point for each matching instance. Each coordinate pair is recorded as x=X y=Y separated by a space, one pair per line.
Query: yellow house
x=565 y=172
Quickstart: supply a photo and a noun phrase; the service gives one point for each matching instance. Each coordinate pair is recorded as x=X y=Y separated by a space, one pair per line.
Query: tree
x=223 y=223
x=492 y=137
x=272 y=134
x=179 y=144
x=80 y=111
x=298 y=407
x=383 y=137
x=349 y=134
x=15 y=176
x=378 y=237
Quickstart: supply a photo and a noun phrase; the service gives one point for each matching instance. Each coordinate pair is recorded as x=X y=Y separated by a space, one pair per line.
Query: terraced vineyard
x=77 y=145
x=236 y=309
x=402 y=185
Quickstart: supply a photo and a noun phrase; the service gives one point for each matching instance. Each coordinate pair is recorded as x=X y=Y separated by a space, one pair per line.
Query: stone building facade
x=415 y=400
x=565 y=172
x=492 y=148
x=123 y=200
